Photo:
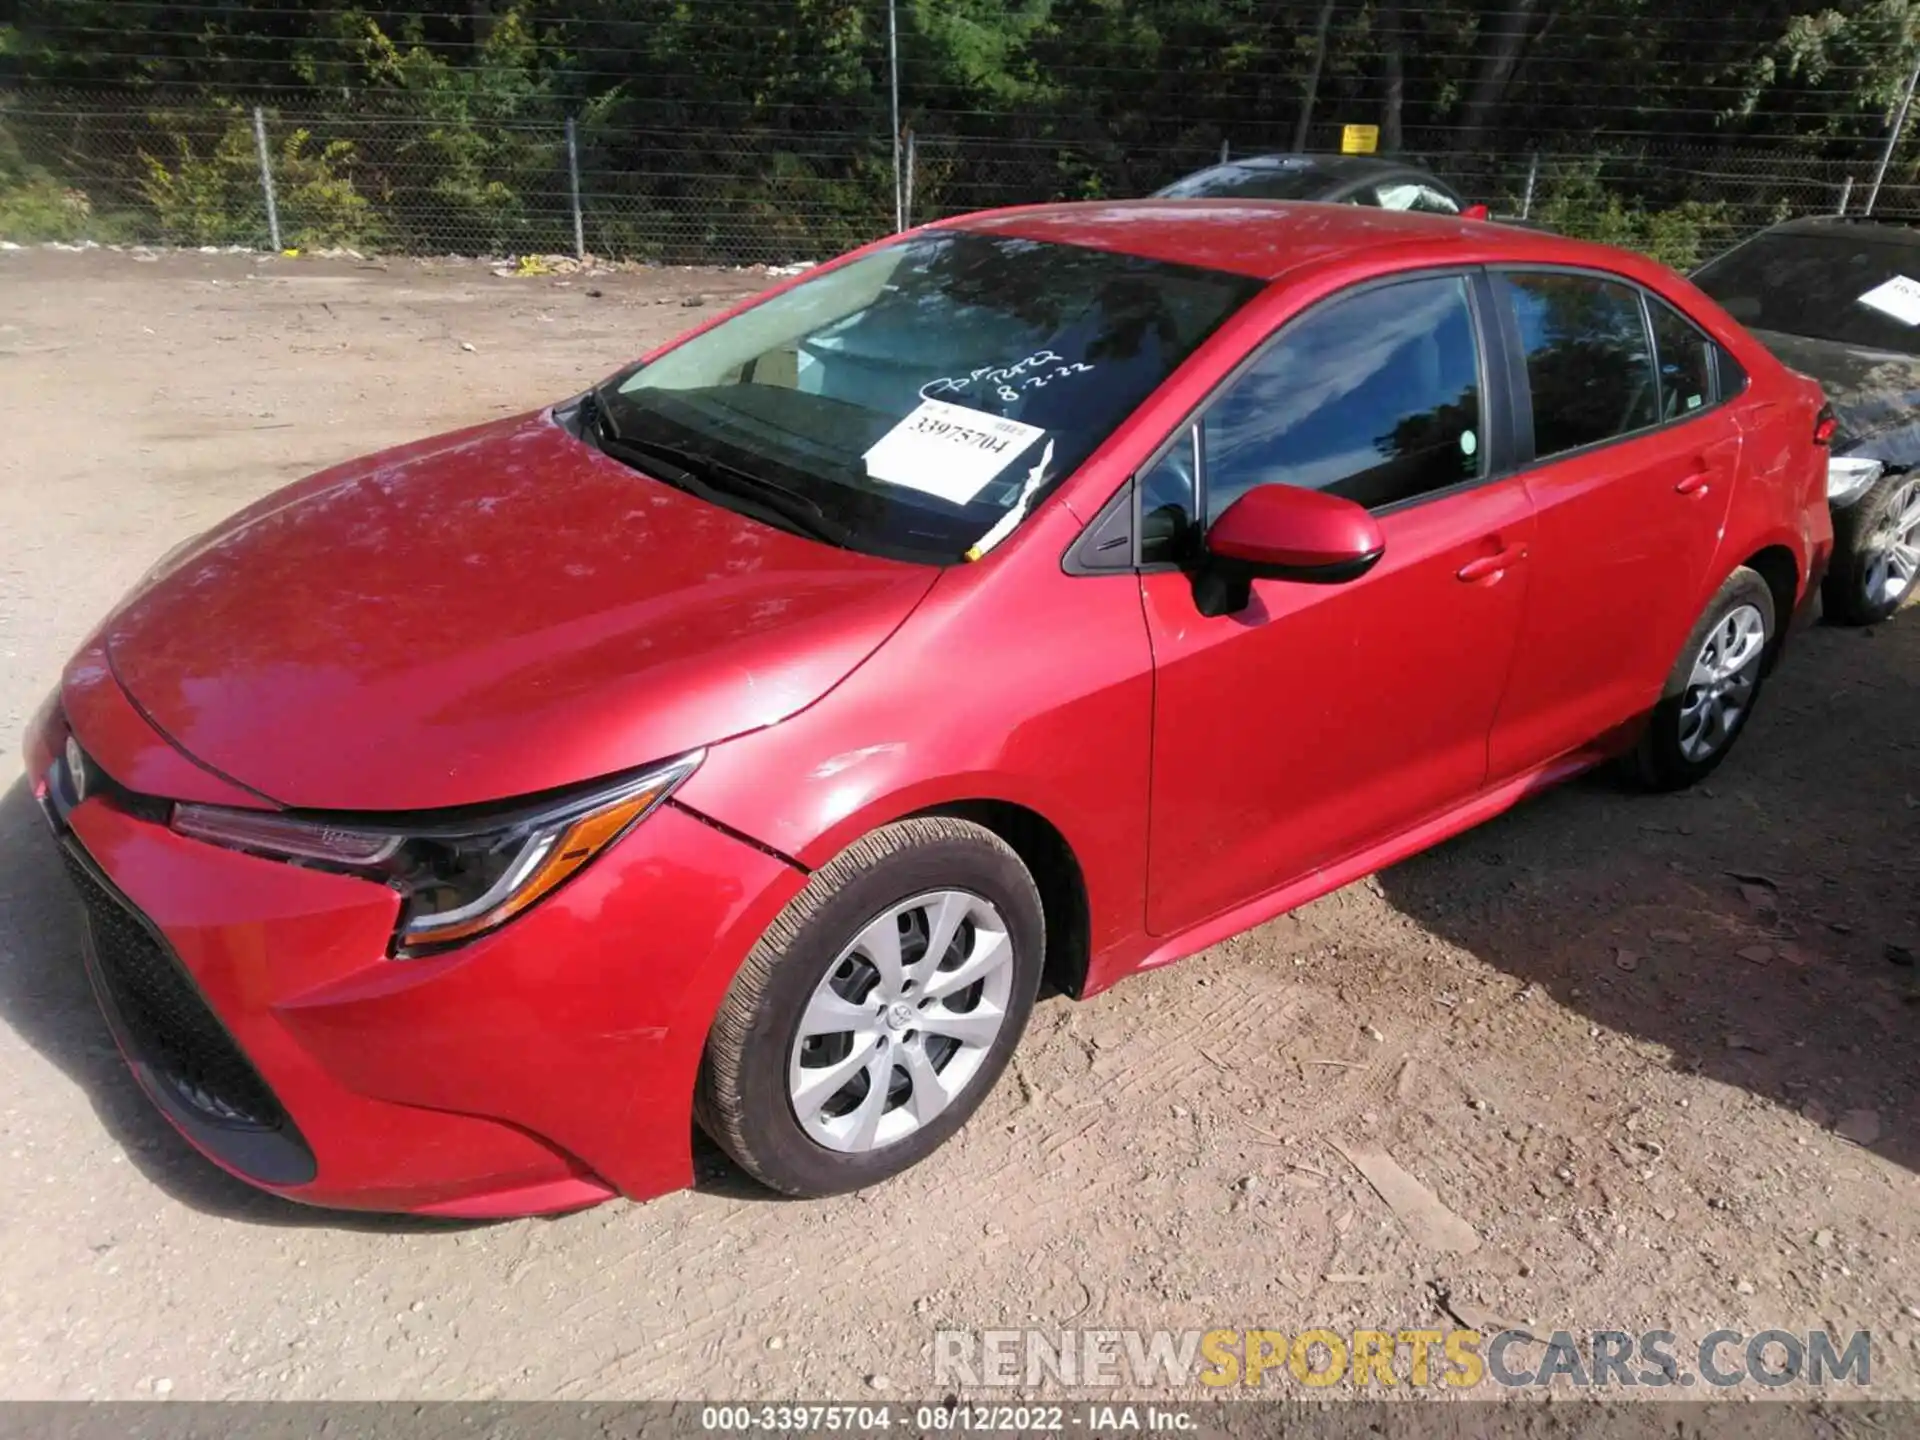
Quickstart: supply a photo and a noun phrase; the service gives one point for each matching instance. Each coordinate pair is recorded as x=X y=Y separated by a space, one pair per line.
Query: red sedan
x=1051 y=592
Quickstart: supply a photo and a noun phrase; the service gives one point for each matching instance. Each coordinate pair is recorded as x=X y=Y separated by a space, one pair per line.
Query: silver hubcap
x=902 y=1022
x=1721 y=686
x=1893 y=556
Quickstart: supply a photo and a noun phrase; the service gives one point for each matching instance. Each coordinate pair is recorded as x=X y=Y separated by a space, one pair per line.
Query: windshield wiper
x=701 y=474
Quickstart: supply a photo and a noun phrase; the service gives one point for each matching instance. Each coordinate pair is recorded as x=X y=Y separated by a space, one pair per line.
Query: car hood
x=492 y=614
x=1875 y=393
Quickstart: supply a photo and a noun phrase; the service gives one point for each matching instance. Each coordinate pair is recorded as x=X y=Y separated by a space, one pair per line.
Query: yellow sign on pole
x=1359 y=139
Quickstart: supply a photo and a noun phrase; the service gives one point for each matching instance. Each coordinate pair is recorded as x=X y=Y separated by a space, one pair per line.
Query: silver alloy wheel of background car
x=1721 y=687
x=1894 y=556
x=902 y=1021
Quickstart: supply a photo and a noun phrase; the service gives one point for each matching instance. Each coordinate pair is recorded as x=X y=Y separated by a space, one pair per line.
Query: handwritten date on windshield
x=1007 y=382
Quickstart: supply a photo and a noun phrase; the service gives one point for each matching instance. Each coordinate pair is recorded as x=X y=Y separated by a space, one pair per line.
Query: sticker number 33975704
x=948 y=450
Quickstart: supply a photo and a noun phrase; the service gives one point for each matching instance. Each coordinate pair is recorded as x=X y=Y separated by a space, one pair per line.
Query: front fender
x=971 y=700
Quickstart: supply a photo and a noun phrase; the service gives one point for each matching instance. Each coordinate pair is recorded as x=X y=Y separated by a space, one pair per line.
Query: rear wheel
x=877 y=1011
x=1876 y=552
x=1713 y=688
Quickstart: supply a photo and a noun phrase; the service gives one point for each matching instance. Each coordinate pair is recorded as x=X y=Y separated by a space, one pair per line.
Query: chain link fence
x=379 y=175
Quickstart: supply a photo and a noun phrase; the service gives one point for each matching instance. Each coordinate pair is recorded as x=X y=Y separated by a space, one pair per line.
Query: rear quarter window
x=1733 y=376
x=1686 y=358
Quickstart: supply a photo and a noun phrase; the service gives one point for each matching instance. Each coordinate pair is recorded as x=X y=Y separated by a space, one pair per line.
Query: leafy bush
x=214 y=197
x=36 y=206
x=319 y=203
x=480 y=131
x=199 y=199
x=1681 y=236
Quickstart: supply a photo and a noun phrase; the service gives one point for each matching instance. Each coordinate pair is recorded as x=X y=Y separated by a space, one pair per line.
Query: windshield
x=1289 y=179
x=918 y=402
x=1849 y=288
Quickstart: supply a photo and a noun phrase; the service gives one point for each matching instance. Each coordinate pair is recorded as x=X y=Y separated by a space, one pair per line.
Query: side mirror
x=1282 y=532
x=1476 y=212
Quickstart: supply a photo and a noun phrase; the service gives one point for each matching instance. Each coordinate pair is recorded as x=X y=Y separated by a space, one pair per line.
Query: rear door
x=1634 y=469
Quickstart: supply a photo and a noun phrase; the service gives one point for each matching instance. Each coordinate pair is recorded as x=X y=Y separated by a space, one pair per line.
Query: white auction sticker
x=1899 y=297
x=948 y=450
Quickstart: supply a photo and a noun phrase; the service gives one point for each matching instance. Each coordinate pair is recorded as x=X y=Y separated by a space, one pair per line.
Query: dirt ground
x=1662 y=1096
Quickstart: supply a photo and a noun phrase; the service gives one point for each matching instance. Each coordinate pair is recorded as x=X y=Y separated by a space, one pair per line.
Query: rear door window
x=1589 y=361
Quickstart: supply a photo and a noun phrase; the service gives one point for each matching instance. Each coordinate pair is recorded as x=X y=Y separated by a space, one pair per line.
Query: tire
x=1674 y=752
x=815 y=965
x=1857 y=589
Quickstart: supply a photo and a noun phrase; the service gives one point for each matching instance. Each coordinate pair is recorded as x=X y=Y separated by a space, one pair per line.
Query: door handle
x=1697 y=483
x=1490 y=565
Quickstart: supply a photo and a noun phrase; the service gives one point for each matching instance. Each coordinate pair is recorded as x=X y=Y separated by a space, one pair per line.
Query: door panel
x=1628 y=523
x=1323 y=718
x=1625 y=537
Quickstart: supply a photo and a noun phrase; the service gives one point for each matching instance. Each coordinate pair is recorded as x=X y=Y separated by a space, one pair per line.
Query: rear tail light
x=1825 y=426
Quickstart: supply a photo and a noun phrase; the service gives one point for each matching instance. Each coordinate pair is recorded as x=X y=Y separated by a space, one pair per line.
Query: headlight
x=1848 y=477
x=460 y=878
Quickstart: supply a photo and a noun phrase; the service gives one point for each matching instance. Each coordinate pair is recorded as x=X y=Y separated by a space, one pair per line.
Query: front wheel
x=1876 y=552
x=877 y=1011
x=1713 y=688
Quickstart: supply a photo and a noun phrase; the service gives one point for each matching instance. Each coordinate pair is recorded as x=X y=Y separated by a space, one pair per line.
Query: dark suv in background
x=1839 y=300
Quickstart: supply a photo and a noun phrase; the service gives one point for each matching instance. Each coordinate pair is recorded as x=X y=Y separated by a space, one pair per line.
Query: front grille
x=166 y=1024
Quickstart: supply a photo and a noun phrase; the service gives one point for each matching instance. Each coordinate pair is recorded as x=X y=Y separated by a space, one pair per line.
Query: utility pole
x=1893 y=138
x=573 y=177
x=266 y=176
x=893 y=84
x=1313 y=78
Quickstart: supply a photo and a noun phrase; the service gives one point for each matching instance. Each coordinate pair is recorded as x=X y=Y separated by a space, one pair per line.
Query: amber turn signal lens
x=559 y=859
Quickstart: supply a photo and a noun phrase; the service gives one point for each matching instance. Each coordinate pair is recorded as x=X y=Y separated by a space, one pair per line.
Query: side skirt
x=1423 y=836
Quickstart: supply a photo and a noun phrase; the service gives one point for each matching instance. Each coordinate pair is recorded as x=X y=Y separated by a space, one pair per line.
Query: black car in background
x=1839 y=300
x=1340 y=179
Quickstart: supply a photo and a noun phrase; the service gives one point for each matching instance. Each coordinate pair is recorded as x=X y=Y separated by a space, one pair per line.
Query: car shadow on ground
x=1759 y=930
x=46 y=1000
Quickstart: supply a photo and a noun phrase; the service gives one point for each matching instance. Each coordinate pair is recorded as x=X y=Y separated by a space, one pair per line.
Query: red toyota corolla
x=1047 y=592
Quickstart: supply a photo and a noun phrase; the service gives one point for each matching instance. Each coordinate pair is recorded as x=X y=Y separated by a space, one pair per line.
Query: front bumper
x=543 y=1067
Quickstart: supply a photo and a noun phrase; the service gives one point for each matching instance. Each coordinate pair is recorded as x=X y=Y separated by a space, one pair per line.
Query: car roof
x=1895 y=232
x=1265 y=239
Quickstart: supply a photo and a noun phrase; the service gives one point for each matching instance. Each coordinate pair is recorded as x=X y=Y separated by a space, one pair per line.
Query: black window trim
x=1089 y=554
x=1506 y=397
x=1497 y=415
x=1528 y=457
